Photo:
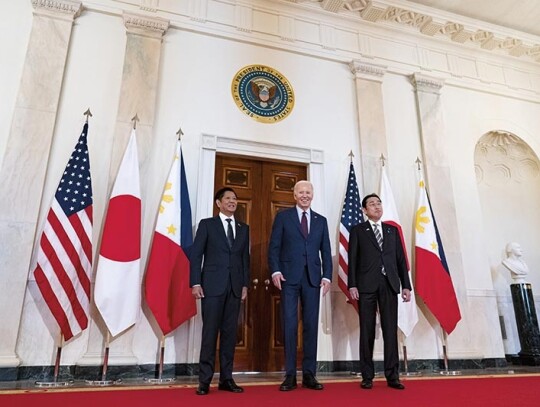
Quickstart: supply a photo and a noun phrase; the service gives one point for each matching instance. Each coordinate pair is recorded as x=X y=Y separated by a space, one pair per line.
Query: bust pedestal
x=527 y=325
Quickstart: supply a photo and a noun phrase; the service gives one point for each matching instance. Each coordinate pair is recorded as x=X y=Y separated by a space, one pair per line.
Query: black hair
x=220 y=193
x=372 y=195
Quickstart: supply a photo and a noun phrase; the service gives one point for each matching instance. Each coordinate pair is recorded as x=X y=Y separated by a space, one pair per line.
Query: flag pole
x=55 y=382
x=406 y=372
x=160 y=379
x=447 y=372
x=104 y=381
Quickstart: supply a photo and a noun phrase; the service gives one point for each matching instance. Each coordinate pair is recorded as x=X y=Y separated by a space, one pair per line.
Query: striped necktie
x=378 y=235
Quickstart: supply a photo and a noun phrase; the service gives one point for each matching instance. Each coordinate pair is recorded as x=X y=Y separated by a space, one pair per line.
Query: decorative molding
x=426 y=83
x=154 y=27
x=149 y=5
x=430 y=25
x=58 y=8
x=369 y=71
x=244 y=18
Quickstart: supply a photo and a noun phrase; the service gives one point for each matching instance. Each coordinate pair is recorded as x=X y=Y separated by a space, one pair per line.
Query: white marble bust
x=513 y=262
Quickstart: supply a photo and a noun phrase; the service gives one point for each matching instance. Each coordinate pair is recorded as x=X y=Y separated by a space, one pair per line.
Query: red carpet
x=461 y=392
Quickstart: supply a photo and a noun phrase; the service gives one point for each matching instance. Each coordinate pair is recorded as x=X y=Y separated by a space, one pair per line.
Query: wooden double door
x=263 y=189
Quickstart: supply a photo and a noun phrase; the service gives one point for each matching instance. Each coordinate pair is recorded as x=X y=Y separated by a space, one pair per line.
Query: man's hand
x=277 y=279
x=325 y=284
x=406 y=295
x=244 y=294
x=353 y=292
x=197 y=292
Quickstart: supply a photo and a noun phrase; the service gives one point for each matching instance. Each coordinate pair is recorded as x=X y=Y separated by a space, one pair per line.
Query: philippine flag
x=433 y=281
x=167 y=278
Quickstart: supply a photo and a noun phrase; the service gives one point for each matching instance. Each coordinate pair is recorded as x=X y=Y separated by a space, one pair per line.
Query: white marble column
x=438 y=179
x=140 y=79
x=371 y=127
x=26 y=156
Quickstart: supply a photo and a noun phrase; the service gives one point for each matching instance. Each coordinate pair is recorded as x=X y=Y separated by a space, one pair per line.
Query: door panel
x=263 y=188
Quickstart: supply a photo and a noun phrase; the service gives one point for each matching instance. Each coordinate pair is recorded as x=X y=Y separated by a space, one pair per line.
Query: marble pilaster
x=371 y=127
x=439 y=181
x=140 y=79
x=26 y=156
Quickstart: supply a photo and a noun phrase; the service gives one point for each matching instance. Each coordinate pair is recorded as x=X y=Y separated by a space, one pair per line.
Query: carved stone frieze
x=143 y=25
x=378 y=11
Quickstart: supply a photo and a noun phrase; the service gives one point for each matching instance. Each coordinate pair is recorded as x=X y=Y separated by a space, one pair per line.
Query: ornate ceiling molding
x=379 y=11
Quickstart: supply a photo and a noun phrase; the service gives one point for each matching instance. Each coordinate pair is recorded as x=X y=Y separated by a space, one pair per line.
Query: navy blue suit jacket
x=289 y=251
x=220 y=261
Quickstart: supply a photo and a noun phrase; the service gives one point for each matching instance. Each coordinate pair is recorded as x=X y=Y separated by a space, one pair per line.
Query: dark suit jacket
x=289 y=251
x=366 y=259
x=220 y=261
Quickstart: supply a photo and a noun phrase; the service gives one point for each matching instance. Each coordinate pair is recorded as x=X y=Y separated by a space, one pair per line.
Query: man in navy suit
x=298 y=242
x=221 y=284
x=377 y=268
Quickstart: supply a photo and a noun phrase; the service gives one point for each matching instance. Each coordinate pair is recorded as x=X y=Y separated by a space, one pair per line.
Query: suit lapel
x=371 y=234
x=221 y=230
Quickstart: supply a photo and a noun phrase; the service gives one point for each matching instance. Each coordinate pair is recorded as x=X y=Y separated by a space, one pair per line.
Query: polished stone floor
x=248 y=378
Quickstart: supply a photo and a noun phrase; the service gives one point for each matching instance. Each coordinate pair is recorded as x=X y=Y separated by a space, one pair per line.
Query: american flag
x=64 y=256
x=351 y=215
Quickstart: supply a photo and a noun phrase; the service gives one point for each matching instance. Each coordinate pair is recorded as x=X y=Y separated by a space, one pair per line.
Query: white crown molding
x=432 y=22
x=305 y=28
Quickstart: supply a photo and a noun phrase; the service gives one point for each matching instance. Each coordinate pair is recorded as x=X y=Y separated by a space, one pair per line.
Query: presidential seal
x=262 y=93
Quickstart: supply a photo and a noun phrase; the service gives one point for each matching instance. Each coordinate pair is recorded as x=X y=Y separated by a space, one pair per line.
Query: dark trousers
x=386 y=300
x=220 y=316
x=309 y=299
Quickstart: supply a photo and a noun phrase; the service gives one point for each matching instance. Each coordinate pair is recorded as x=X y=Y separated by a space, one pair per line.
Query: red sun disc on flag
x=122 y=238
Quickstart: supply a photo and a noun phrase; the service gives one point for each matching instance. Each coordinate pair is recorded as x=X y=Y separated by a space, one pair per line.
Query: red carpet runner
x=505 y=391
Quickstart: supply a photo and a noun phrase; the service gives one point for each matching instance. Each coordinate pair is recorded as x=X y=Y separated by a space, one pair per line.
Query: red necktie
x=303 y=225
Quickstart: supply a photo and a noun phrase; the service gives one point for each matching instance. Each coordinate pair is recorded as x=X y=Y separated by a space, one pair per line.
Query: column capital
x=153 y=27
x=425 y=83
x=65 y=9
x=366 y=70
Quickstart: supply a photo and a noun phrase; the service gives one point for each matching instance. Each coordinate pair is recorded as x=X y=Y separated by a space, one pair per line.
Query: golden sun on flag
x=421 y=218
x=166 y=198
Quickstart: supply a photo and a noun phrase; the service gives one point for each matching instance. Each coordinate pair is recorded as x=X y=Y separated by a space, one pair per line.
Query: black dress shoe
x=230 y=385
x=288 y=384
x=367 y=384
x=309 y=381
x=202 y=390
x=396 y=384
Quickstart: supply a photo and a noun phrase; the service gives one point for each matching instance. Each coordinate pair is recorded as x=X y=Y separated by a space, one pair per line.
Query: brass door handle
x=266 y=283
x=255 y=282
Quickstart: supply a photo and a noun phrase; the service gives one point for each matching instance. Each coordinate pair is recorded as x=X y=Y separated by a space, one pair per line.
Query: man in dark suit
x=377 y=268
x=221 y=284
x=298 y=242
